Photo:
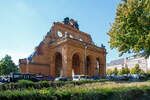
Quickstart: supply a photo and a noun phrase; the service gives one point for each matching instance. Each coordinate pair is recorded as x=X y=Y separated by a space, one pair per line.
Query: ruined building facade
x=65 y=51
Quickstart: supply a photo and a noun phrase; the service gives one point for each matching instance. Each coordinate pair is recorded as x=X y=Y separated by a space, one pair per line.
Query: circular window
x=59 y=34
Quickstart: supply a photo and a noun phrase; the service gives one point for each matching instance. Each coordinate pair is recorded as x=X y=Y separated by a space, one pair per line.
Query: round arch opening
x=75 y=64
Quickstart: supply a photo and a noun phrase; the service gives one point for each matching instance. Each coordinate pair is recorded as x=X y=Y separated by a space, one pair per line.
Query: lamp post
x=27 y=66
x=85 y=65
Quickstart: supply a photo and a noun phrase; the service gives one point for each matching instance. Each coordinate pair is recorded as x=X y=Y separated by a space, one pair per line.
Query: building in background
x=129 y=62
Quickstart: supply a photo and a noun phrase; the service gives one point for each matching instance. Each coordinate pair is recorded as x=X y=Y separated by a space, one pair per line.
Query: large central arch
x=76 y=64
x=58 y=64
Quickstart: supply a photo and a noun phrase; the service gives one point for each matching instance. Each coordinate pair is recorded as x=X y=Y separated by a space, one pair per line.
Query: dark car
x=1 y=80
x=142 y=77
x=15 y=77
x=63 y=79
x=50 y=78
x=96 y=78
x=124 y=78
x=40 y=78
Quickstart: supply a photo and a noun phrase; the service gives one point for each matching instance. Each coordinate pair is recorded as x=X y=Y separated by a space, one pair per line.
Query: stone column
x=82 y=62
x=104 y=74
x=103 y=65
x=66 y=62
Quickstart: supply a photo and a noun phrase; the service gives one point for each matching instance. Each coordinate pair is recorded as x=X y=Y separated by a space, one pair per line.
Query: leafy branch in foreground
x=130 y=33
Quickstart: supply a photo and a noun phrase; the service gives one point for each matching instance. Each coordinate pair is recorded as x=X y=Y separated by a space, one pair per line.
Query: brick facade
x=64 y=50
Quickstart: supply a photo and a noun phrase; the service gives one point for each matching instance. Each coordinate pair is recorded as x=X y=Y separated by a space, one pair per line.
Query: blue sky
x=24 y=23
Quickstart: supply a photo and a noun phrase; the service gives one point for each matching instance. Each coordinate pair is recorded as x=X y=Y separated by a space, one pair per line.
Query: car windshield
x=83 y=77
x=76 y=77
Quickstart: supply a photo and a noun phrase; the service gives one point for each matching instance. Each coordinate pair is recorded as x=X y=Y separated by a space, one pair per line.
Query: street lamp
x=27 y=69
x=85 y=65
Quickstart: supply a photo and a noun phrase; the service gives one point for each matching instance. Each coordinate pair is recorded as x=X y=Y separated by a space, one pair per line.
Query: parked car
x=1 y=80
x=22 y=76
x=63 y=79
x=50 y=78
x=40 y=78
x=124 y=78
x=143 y=77
x=96 y=78
x=81 y=77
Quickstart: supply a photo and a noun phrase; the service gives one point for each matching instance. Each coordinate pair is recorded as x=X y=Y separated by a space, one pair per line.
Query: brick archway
x=58 y=64
x=76 y=64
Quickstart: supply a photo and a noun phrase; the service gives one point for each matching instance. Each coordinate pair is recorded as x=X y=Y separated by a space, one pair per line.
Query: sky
x=24 y=23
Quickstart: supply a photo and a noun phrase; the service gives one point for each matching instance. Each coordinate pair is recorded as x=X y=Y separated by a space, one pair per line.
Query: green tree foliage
x=109 y=72
x=130 y=32
x=121 y=71
x=136 y=70
x=148 y=72
x=7 y=66
x=127 y=70
x=115 y=71
x=142 y=72
x=124 y=70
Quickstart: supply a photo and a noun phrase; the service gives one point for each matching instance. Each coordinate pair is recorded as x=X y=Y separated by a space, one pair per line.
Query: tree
x=142 y=72
x=7 y=66
x=115 y=71
x=136 y=69
x=109 y=72
x=130 y=33
x=127 y=70
x=121 y=71
x=148 y=72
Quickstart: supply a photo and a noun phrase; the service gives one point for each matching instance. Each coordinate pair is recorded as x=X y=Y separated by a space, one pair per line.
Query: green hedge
x=130 y=93
x=38 y=85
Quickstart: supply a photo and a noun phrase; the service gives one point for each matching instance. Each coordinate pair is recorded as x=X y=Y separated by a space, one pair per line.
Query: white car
x=80 y=77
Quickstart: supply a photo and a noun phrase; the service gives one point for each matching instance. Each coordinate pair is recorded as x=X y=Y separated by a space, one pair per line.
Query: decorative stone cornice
x=76 y=42
x=30 y=63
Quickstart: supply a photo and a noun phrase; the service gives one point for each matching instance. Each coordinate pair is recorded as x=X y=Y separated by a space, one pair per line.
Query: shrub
x=41 y=84
x=25 y=83
x=122 y=93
